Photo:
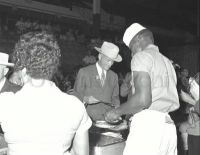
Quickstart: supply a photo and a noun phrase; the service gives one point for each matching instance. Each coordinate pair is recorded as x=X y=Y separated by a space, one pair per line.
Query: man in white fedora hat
x=151 y=131
x=5 y=85
x=97 y=83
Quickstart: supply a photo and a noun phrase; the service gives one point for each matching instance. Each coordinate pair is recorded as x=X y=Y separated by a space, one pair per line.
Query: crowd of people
x=187 y=117
x=38 y=118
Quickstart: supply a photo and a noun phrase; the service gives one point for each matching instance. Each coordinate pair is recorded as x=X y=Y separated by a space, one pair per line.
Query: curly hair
x=39 y=53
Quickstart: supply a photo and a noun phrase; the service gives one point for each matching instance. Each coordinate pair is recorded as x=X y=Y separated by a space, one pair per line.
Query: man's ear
x=5 y=70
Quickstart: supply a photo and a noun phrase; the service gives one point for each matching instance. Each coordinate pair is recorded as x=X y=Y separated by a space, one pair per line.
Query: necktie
x=102 y=78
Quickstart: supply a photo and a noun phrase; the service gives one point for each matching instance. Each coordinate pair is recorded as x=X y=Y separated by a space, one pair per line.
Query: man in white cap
x=152 y=131
x=5 y=85
x=97 y=85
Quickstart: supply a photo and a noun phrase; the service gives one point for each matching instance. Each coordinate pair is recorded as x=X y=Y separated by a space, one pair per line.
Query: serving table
x=103 y=141
x=106 y=145
x=107 y=140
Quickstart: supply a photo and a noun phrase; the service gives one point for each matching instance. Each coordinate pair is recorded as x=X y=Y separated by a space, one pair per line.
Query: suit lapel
x=10 y=87
x=4 y=86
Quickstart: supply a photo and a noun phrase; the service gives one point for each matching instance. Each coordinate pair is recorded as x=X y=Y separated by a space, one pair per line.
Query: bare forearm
x=141 y=99
x=132 y=106
x=124 y=89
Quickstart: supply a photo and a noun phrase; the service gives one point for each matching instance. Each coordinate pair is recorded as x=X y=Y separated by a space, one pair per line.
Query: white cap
x=131 y=32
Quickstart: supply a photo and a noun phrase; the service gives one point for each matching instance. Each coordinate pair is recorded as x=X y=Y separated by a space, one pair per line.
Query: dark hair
x=39 y=53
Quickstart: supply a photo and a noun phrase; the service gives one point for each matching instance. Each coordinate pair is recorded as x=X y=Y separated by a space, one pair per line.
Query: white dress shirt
x=99 y=70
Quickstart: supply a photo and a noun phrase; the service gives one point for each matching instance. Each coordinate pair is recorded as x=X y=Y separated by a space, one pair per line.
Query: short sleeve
x=85 y=123
x=142 y=61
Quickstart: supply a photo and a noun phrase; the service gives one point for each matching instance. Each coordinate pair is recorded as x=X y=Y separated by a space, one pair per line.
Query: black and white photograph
x=99 y=77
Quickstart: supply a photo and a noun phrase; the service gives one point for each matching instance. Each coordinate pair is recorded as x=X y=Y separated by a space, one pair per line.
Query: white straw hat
x=131 y=32
x=4 y=60
x=110 y=50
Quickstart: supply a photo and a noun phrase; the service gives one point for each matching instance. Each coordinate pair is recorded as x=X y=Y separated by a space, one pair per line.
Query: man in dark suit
x=96 y=85
x=5 y=85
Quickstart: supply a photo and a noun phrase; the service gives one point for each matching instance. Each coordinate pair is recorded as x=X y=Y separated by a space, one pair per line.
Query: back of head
x=143 y=38
x=39 y=53
x=137 y=32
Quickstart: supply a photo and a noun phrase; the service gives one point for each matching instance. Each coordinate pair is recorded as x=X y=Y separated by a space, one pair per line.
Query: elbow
x=145 y=101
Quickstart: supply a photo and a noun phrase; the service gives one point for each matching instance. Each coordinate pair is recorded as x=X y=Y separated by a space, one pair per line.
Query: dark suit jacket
x=88 y=84
x=9 y=87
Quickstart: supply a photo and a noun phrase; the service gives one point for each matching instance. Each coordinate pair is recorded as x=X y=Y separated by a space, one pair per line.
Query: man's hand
x=112 y=116
x=90 y=100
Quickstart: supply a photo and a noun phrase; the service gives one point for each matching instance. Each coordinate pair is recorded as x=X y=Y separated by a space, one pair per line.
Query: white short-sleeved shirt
x=163 y=78
x=41 y=120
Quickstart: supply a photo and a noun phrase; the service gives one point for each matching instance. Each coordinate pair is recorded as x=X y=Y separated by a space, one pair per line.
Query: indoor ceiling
x=170 y=14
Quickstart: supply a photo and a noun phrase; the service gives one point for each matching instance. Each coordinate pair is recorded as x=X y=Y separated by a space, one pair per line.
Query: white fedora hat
x=110 y=50
x=131 y=32
x=4 y=60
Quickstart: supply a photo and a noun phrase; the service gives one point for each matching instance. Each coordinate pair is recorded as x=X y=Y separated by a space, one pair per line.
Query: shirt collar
x=39 y=84
x=150 y=46
x=99 y=69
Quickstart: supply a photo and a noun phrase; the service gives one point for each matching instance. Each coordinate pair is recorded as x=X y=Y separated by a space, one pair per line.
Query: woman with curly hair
x=40 y=119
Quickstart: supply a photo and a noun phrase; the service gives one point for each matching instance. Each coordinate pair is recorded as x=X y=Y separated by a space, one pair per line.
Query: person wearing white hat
x=96 y=83
x=3 y=67
x=5 y=85
x=152 y=131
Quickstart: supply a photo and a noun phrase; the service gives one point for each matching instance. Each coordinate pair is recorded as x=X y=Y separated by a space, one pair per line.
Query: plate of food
x=114 y=127
x=103 y=124
x=122 y=126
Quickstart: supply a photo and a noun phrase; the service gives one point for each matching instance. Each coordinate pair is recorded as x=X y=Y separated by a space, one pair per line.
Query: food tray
x=103 y=124
x=115 y=127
